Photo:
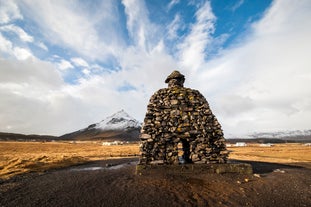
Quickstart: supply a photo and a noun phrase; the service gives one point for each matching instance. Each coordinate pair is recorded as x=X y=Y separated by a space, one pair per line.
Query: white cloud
x=72 y=24
x=265 y=80
x=22 y=53
x=143 y=32
x=9 y=11
x=237 y=5
x=29 y=71
x=172 y=4
x=7 y=48
x=43 y=46
x=86 y=71
x=37 y=90
x=96 y=67
x=79 y=62
x=64 y=65
x=192 y=49
x=281 y=15
x=36 y=100
x=261 y=84
x=146 y=70
x=5 y=45
x=136 y=17
x=18 y=31
x=173 y=27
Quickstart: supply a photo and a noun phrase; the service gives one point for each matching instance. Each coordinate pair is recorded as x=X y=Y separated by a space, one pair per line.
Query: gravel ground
x=114 y=183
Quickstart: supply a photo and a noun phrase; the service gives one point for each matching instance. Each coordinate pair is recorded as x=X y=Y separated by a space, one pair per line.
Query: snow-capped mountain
x=119 y=126
x=281 y=134
x=118 y=121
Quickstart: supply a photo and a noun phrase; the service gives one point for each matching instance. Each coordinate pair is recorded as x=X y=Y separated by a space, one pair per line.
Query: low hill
x=4 y=136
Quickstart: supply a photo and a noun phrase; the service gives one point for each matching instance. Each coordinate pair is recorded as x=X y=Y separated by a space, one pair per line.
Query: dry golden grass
x=21 y=157
x=278 y=153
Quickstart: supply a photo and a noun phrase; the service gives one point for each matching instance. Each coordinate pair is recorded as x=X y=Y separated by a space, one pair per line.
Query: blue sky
x=67 y=64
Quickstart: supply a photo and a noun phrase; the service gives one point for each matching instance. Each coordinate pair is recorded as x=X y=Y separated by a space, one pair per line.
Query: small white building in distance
x=240 y=144
x=112 y=143
x=266 y=145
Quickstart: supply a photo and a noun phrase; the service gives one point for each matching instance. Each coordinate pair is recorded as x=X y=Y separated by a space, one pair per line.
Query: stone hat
x=175 y=75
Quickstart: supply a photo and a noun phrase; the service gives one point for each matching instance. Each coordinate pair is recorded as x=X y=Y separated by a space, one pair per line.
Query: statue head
x=175 y=79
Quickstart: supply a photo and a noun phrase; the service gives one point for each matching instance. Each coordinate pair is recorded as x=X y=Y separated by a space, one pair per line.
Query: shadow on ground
x=267 y=167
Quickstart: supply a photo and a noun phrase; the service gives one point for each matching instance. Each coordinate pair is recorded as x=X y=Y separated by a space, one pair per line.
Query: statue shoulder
x=161 y=91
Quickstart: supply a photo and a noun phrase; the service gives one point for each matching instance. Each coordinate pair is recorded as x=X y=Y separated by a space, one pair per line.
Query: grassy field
x=22 y=157
x=278 y=153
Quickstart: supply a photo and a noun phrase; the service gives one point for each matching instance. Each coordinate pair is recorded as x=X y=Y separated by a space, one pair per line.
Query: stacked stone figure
x=180 y=115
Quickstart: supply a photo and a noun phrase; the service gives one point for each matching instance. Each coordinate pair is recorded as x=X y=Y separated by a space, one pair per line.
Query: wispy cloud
x=18 y=31
x=172 y=4
x=142 y=31
x=64 y=65
x=5 y=45
x=9 y=11
x=173 y=27
x=192 y=49
x=67 y=23
x=237 y=5
x=264 y=79
x=22 y=53
x=43 y=46
x=79 y=62
x=8 y=49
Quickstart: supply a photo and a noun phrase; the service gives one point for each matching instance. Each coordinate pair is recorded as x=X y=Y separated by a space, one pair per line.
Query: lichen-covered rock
x=180 y=115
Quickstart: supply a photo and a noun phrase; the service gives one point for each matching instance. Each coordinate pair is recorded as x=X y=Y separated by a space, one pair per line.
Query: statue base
x=240 y=168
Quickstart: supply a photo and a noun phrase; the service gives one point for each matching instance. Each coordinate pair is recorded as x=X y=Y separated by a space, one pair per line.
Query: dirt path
x=95 y=184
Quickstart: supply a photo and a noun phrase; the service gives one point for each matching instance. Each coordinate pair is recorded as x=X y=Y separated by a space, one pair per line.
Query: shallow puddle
x=108 y=167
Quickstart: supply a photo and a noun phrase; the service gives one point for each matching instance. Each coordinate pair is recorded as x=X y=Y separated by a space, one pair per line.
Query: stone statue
x=178 y=116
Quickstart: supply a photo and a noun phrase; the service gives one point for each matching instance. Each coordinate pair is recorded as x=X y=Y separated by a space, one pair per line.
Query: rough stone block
x=240 y=168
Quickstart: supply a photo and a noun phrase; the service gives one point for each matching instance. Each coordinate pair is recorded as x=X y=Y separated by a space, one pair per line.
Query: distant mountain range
x=5 y=136
x=122 y=127
x=117 y=127
x=276 y=137
x=282 y=134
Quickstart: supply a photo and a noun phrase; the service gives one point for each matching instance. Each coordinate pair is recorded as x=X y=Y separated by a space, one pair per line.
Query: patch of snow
x=120 y=120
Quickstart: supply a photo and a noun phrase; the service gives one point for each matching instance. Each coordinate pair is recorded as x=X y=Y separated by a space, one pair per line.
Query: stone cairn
x=180 y=115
